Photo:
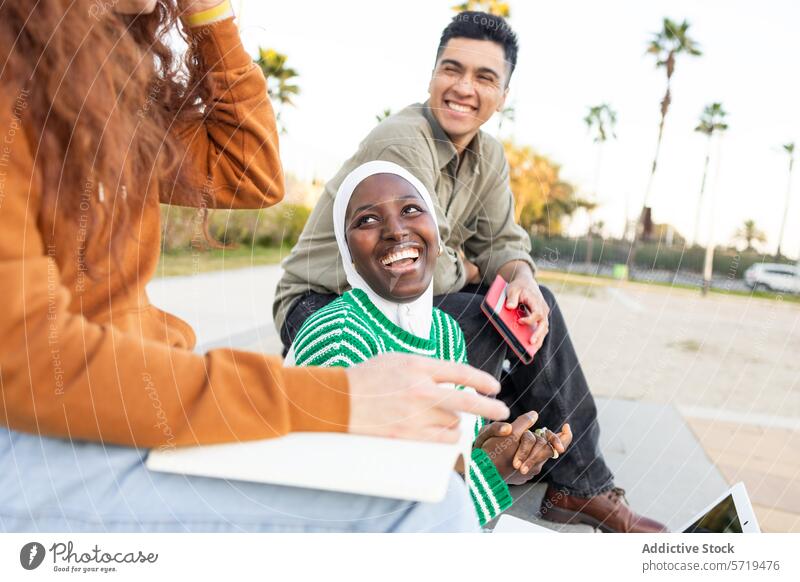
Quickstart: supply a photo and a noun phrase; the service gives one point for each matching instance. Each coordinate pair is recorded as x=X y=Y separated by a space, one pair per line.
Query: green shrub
x=182 y=228
x=281 y=225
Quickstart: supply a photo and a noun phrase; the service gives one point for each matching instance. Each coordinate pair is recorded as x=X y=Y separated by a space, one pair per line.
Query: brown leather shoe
x=608 y=511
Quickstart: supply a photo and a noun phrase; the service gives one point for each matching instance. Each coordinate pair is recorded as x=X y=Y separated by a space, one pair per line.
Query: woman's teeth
x=399 y=256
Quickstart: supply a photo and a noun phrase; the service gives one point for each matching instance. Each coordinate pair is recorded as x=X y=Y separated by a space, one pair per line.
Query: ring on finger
x=555 y=452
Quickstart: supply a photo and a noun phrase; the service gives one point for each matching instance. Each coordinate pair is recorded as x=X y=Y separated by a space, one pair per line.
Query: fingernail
x=525 y=469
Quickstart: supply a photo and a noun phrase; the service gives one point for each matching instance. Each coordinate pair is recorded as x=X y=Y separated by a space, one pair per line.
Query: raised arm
x=64 y=375
x=235 y=147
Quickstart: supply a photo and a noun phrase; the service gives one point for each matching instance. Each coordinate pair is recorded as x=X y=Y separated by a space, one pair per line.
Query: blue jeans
x=54 y=485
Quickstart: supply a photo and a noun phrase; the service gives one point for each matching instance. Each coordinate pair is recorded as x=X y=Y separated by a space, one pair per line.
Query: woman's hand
x=500 y=440
x=398 y=396
x=517 y=453
x=535 y=450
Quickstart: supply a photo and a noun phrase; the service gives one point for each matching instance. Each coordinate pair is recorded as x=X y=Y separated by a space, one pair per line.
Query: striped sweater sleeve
x=487 y=488
x=332 y=337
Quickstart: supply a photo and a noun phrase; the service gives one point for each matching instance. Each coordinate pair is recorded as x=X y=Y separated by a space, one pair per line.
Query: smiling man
x=441 y=143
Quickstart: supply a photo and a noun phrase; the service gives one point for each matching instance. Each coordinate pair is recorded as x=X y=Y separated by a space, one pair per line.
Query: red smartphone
x=506 y=321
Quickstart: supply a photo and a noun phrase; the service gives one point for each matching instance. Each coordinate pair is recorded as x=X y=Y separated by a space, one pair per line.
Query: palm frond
x=602 y=119
x=671 y=40
x=712 y=119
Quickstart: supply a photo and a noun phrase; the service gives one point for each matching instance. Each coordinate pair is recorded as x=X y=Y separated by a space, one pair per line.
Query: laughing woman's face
x=392 y=237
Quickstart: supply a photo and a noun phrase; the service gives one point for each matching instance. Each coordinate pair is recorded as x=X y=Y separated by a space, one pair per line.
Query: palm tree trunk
x=786 y=207
x=589 y=239
x=635 y=243
x=700 y=196
x=708 y=261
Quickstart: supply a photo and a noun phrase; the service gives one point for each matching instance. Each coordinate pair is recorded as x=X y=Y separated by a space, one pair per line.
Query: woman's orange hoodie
x=92 y=359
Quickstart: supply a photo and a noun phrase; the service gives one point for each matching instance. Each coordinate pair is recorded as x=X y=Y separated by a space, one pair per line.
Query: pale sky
x=357 y=58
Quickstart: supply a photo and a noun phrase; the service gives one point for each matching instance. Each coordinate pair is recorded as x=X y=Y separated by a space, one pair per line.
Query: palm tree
x=672 y=40
x=281 y=80
x=711 y=122
x=789 y=149
x=600 y=121
x=491 y=6
x=749 y=233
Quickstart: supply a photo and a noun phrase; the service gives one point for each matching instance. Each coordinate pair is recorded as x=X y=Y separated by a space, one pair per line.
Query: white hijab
x=415 y=316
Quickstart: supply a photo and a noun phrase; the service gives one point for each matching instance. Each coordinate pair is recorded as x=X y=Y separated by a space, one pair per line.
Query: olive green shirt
x=474 y=208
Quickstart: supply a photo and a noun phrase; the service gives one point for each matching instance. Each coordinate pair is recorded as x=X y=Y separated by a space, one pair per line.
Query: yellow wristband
x=218 y=12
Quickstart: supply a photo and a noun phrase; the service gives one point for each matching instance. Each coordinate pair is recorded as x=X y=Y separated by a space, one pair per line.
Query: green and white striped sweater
x=351 y=330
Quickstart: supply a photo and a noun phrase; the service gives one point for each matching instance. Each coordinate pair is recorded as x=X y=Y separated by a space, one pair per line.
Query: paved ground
x=695 y=391
x=735 y=355
x=730 y=365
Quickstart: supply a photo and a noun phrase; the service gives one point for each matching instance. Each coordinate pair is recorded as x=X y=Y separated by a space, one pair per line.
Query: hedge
x=727 y=262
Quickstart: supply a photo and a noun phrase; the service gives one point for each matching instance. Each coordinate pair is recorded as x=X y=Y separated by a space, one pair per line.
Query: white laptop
x=382 y=467
x=731 y=512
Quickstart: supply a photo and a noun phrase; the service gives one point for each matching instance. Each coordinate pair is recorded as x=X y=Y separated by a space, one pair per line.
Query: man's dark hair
x=482 y=26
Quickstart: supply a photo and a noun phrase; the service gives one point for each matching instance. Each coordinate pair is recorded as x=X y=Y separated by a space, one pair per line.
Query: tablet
x=730 y=513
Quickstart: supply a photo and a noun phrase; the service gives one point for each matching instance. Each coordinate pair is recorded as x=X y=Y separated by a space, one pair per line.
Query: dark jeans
x=553 y=385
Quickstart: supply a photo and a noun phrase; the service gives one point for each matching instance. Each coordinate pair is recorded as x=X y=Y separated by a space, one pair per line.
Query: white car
x=773 y=277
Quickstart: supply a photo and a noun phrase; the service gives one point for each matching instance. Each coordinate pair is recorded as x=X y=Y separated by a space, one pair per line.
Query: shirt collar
x=444 y=146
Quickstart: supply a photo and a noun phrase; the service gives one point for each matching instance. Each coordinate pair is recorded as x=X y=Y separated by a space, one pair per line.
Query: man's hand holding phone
x=524 y=290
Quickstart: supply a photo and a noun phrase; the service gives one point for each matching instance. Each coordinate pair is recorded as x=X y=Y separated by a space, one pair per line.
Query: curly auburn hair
x=105 y=93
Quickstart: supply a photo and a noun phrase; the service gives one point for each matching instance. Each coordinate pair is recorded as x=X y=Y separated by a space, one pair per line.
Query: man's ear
x=502 y=102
